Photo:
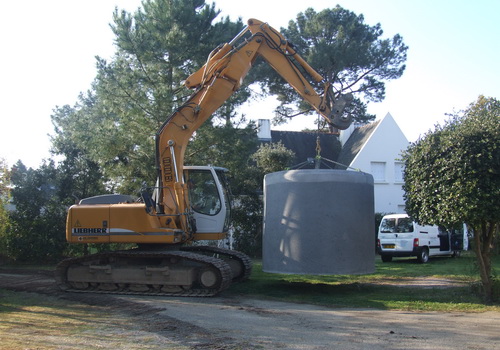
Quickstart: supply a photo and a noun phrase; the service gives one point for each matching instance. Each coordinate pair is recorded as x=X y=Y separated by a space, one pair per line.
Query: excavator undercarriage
x=189 y=271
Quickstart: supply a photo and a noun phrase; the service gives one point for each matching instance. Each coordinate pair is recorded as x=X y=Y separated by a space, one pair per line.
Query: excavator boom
x=220 y=77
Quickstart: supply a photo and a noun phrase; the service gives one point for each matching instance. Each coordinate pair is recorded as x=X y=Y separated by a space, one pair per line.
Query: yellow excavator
x=189 y=203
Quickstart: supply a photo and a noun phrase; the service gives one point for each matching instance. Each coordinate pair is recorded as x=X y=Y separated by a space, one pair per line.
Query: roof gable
x=355 y=143
x=384 y=143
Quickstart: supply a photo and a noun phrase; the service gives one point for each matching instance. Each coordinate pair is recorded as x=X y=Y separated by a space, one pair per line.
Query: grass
x=369 y=291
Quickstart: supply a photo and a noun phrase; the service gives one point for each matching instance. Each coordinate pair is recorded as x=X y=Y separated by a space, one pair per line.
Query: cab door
x=208 y=198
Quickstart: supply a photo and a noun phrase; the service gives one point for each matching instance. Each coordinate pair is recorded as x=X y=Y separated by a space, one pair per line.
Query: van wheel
x=423 y=256
x=386 y=258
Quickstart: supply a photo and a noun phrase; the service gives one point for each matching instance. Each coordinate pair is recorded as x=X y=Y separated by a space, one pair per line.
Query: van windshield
x=394 y=225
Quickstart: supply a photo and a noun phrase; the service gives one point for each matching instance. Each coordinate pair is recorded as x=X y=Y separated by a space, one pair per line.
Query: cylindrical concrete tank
x=318 y=222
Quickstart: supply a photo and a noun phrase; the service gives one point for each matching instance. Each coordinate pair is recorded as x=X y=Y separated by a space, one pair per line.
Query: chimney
x=345 y=134
x=264 y=130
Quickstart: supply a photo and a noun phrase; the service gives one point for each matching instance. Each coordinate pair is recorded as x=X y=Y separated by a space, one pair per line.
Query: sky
x=49 y=48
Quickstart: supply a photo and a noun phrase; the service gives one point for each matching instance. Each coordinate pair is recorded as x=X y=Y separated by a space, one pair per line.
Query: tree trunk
x=483 y=240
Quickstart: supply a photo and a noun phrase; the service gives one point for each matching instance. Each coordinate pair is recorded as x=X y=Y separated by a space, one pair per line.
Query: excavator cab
x=209 y=197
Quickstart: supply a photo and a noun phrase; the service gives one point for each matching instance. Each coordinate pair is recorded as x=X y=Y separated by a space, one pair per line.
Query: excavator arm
x=214 y=83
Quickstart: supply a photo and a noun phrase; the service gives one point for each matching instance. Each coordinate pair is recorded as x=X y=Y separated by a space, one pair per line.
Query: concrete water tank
x=318 y=222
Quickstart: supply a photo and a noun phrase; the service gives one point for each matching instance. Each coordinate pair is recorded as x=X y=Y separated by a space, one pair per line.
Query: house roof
x=355 y=143
x=303 y=144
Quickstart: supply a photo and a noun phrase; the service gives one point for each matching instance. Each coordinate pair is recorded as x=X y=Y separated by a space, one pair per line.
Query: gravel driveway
x=257 y=324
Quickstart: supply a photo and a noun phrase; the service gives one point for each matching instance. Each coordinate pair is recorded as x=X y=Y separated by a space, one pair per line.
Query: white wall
x=380 y=157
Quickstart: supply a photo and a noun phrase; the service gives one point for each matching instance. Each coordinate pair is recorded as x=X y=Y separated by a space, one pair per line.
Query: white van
x=400 y=236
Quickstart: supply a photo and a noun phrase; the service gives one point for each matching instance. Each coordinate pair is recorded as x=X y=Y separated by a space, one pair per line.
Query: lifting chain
x=317 y=160
x=318 y=147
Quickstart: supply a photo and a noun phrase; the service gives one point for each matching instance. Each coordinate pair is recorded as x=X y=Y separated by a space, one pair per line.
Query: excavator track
x=145 y=272
x=240 y=263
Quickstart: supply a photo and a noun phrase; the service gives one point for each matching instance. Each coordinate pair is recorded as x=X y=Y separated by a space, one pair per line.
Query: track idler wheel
x=210 y=277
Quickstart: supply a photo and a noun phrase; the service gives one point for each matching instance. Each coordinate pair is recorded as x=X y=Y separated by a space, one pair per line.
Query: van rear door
x=396 y=234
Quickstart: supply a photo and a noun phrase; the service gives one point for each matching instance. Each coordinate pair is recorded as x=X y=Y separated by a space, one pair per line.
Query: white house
x=373 y=148
x=376 y=148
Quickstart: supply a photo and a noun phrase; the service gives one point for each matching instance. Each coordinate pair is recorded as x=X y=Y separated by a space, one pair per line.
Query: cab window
x=203 y=193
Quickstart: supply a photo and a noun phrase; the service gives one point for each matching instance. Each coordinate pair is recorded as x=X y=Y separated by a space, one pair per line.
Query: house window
x=399 y=169
x=378 y=171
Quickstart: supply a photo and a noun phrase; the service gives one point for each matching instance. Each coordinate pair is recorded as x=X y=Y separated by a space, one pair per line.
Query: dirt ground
x=230 y=323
